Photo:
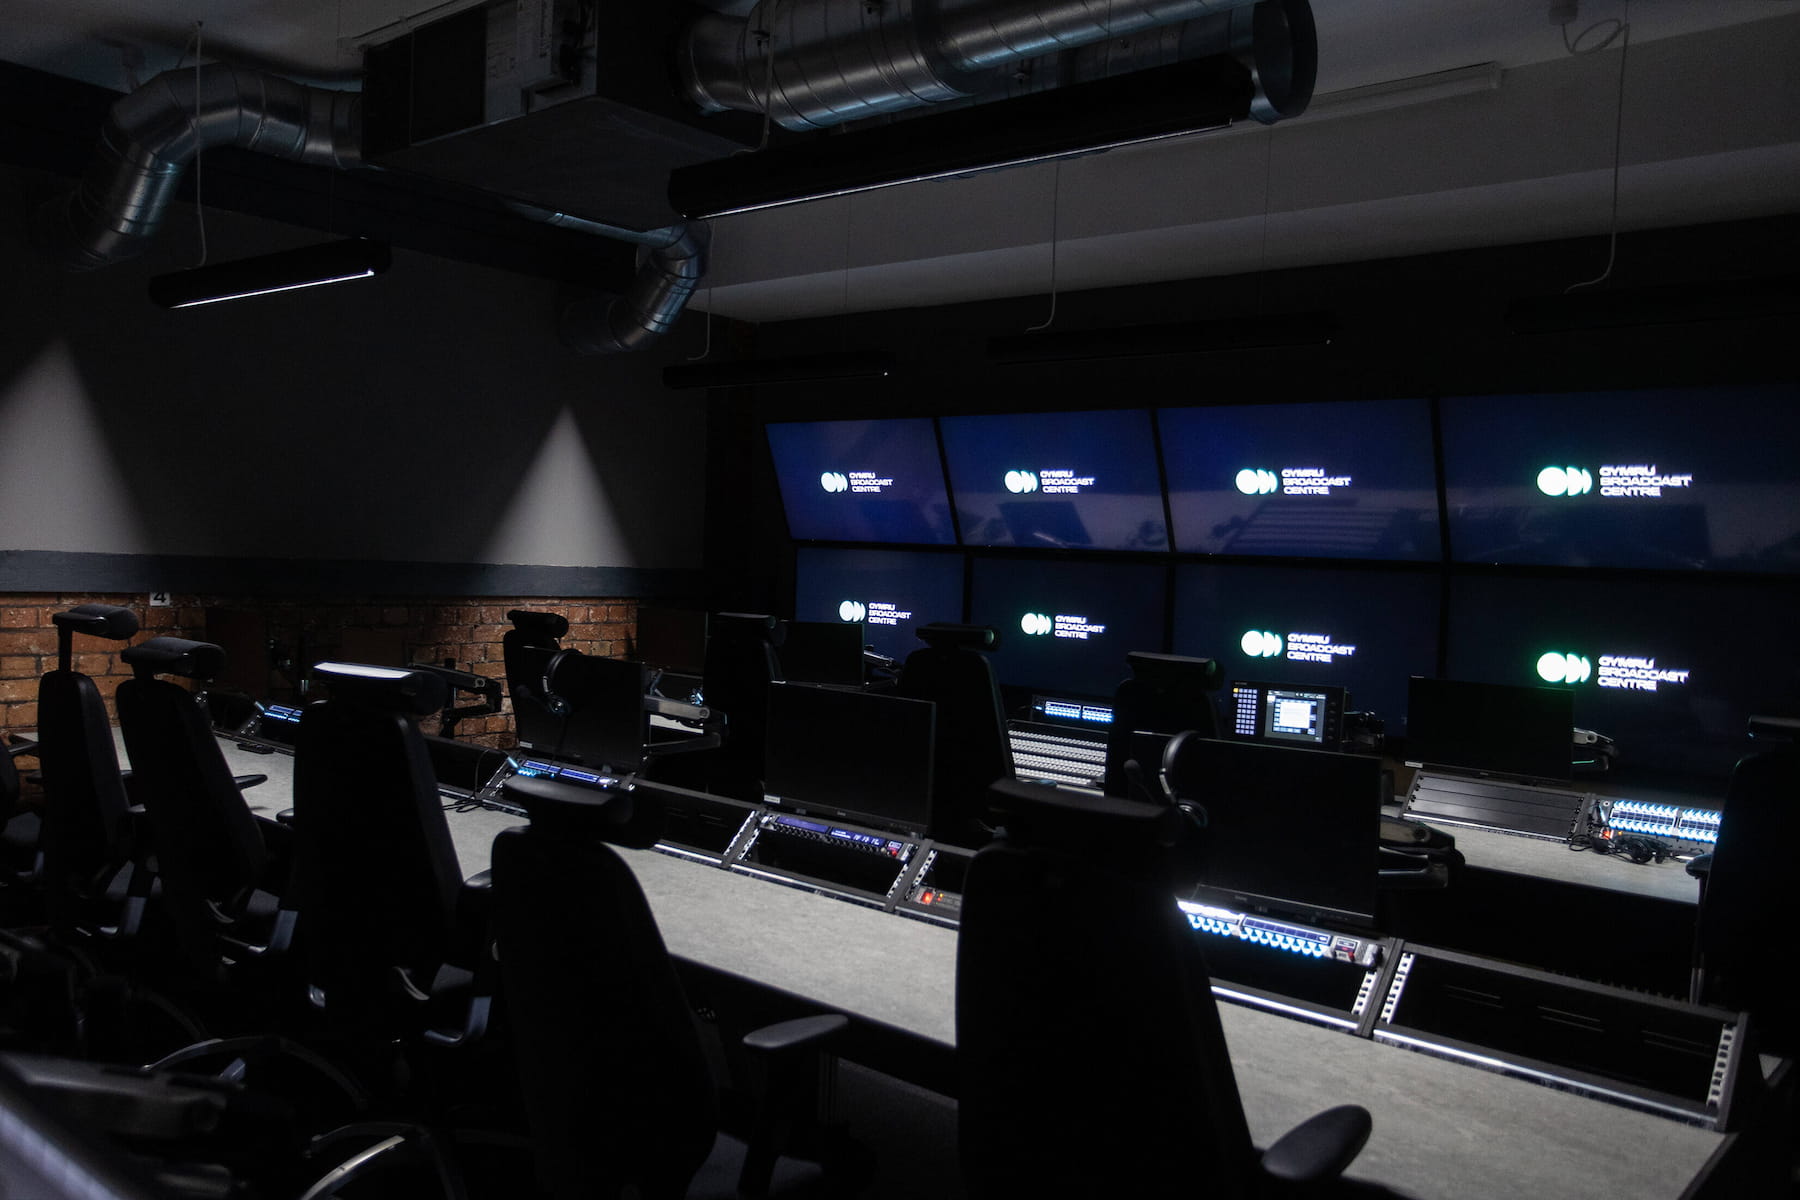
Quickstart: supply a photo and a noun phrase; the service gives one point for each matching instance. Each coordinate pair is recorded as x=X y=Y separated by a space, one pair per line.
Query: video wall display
x=1066 y=626
x=862 y=481
x=889 y=592
x=1348 y=480
x=1668 y=480
x=1363 y=630
x=1671 y=669
x=1640 y=549
x=1066 y=481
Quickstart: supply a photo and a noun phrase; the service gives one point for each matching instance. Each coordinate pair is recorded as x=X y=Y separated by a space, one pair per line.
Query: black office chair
x=1165 y=695
x=219 y=880
x=95 y=879
x=394 y=941
x=618 y=1090
x=971 y=747
x=1091 y=1057
x=527 y=649
x=19 y=829
x=1748 y=880
x=741 y=663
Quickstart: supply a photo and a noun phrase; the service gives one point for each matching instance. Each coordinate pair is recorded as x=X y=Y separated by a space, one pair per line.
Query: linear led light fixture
x=286 y=271
x=1404 y=93
x=1182 y=98
x=1651 y=305
x=807 y=368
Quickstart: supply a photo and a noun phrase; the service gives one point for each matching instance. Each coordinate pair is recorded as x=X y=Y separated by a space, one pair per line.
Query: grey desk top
x=1441 y=1129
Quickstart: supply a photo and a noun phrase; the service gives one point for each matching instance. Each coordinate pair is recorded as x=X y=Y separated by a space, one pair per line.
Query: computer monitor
x=856 y=756
x=1672 y=479
x=671 y=639
x=1490 y=729
x=1671 y=668
x=1084 y=480
x=1286 y=714
x=1356 y=479
x=1362 y=629
x=862 y=481
x=823 y=652
x=889 y=593
x=1066 y=626
x=1290 y=832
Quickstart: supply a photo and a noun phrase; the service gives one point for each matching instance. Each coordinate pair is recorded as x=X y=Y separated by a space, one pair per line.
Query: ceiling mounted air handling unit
x=1025 y=82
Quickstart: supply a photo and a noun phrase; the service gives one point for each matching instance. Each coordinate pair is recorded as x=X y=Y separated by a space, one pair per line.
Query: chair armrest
x=248 y=781
x=790 y=1054
x=1319 y=1148
x=801 y=1033
x=285 y=817
x=22 y=748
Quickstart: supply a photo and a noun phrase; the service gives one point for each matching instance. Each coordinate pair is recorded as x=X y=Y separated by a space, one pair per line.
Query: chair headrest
x=946 y=635
x=547 y=623
x=1175 y=670
x=98 y=620
x=397 y=689
x=1045 y=816
x=174 y=656
x=565 y=810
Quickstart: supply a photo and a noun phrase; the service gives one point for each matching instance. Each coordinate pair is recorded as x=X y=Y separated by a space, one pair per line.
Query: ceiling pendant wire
x=1056 y=208
x=1262 y=253
x=1621 y=30
x=1055 y=219
x=199 y=207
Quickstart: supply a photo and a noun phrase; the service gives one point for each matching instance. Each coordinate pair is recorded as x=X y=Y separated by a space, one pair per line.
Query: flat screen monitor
x=1081 y=480
x=1286 y=714
x=862 y=481
x=822 y=652
x=1674 y=479
x=1356 y=479
x=889 y=592
x=673 y=639
x=1361 y=629
x=857 y=756
x=1066 y=627
x=1670 y=668
x=1490 y=728
x=1289 y=831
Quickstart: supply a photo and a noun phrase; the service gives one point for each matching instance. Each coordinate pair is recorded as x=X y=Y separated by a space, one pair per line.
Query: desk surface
x=1441 y=1129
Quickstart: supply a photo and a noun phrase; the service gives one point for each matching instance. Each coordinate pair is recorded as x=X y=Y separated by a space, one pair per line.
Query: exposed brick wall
x=389 y=630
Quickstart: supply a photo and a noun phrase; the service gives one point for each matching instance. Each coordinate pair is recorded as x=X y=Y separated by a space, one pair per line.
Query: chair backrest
x=9 y=786
x=741 y=663
x=207 y=842
x=527 y=649
x=617 y=1088
x=971 y=745
x=1166 y=694
x=87 y=818
x=1750 y=879
x=1091 y=1057
x=375 y=873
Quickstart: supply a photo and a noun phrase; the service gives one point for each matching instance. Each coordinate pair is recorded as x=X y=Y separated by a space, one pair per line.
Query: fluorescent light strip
x=269 y=291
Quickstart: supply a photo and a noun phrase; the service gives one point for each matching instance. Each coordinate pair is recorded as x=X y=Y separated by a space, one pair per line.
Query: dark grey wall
x=426 y=416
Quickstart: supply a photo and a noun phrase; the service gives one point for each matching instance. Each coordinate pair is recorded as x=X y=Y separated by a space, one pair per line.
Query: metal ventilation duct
x=152 y=135
x=811 y=64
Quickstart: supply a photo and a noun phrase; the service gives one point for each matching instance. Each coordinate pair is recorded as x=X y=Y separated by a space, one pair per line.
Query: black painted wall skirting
x=60 y=571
